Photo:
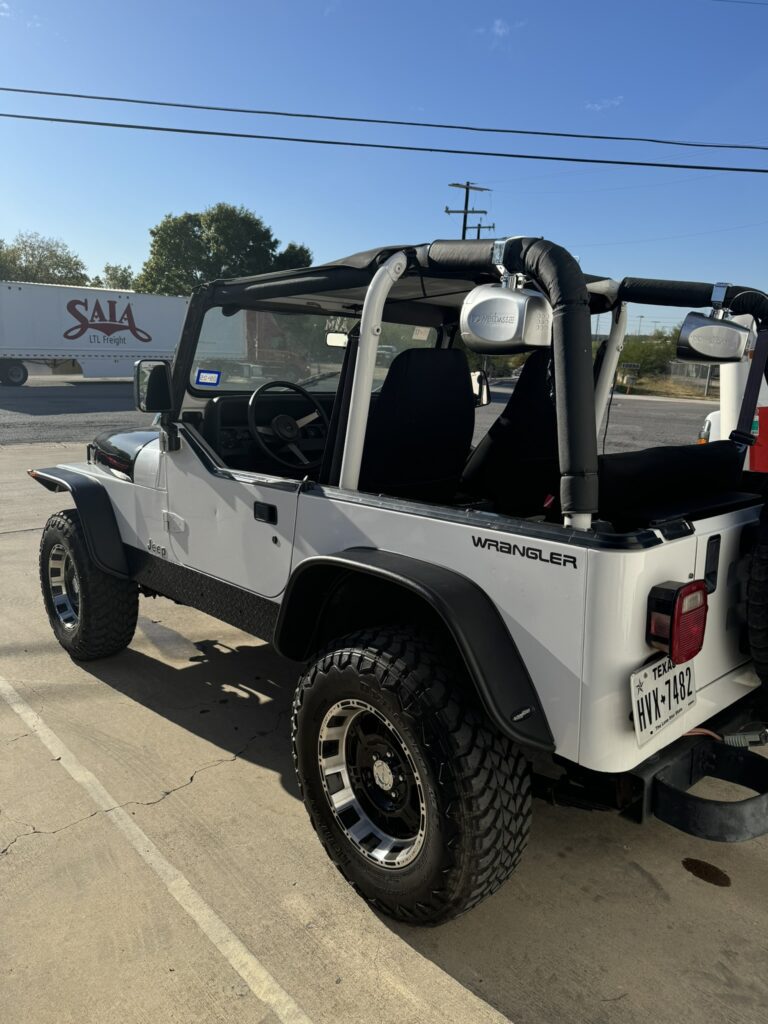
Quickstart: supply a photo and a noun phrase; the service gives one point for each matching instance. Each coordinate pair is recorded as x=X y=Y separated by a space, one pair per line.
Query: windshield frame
x=437 y=334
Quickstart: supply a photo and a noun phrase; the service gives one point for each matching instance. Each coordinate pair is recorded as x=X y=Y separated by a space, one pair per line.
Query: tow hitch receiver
x=724 y=821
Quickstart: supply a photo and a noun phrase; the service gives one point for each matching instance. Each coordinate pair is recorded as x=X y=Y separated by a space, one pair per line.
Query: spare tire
x=757 y=600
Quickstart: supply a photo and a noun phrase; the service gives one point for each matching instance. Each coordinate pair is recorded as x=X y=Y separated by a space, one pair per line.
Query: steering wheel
x=284 y=432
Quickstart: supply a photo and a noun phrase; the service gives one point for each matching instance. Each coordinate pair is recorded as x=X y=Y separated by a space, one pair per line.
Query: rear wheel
x=14 y=374
x=92 y=613
x=420 y=803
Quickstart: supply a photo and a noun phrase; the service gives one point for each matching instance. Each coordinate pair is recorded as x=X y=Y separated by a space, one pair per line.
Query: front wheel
x=91 y=613
x=422 y=805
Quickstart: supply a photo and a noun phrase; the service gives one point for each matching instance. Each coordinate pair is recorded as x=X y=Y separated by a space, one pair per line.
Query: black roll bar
x=561 y=278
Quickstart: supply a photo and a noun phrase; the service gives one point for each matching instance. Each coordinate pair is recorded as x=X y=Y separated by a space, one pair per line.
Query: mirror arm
x=169 y=433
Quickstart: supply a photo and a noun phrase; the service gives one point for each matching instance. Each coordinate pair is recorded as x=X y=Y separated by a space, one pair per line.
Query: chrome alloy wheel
x=64 y=586
x=372 y=784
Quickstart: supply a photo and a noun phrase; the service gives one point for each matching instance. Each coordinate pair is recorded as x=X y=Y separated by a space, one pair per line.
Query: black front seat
x=420 y=427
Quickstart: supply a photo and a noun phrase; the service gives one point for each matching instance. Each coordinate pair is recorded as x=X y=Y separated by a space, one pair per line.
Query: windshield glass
x=241 y=351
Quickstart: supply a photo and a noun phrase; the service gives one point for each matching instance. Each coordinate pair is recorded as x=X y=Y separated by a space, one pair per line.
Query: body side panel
x=537 y=586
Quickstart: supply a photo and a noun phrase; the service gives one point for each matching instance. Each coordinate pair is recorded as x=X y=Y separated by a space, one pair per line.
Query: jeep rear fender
x=97 y=517
x=330 y=595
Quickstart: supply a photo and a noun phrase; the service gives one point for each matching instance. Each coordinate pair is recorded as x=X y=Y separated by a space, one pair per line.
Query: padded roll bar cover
x=462 y=254
x=489 y=652
x=648 y=291
x=652 y=292
x=562 y=279
x=97 y=517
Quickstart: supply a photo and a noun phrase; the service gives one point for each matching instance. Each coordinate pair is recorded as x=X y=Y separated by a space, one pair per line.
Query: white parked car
x=710 y=430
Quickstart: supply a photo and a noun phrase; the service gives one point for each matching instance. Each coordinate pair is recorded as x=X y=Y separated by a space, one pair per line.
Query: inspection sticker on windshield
x=661 y=692
x=208 y=378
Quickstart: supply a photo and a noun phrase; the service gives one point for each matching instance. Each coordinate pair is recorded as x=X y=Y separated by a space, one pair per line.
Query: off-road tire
x=108 y=607
x=476 y=782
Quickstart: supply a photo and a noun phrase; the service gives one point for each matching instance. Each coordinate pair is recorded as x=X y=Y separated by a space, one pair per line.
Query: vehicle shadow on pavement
x=586 y=930
x=238 y=698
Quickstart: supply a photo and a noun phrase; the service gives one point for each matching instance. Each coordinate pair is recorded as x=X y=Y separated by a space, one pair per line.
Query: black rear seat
x=516 y=466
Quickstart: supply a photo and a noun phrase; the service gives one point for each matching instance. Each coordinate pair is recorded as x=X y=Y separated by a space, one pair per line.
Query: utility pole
x=467 y=186
x=483 y=227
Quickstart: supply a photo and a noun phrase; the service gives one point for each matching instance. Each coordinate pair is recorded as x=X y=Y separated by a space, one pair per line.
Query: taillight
x=677 y=618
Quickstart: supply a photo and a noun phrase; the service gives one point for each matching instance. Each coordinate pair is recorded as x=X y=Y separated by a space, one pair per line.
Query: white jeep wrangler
x=474 y=624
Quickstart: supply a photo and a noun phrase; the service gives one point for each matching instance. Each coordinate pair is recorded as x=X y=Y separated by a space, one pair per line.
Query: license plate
x=661 y=692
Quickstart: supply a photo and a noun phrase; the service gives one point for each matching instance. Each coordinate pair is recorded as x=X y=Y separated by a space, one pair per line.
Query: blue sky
x=690 y=69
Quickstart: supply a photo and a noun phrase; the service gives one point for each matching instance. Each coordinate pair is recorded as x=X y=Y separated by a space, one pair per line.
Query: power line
x=401 y=148
x=672 y=238
x=389 y=121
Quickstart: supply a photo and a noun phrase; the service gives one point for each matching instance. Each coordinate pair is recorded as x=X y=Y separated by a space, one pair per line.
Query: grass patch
x=671 y=387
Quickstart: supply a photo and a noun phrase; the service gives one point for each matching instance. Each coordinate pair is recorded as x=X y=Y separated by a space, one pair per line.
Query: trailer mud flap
x=724 y=821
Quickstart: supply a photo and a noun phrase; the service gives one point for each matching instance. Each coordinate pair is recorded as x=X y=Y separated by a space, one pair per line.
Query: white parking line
x=240 y=958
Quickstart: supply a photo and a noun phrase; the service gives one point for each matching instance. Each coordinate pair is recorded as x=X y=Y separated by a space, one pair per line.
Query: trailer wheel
x=91 y=613
x=422 y=805
x=13 y=373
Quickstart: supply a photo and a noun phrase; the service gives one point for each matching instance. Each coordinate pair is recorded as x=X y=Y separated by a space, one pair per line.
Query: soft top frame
x=429 y=291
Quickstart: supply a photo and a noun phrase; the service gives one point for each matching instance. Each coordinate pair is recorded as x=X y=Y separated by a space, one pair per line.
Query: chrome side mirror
x=336 y=339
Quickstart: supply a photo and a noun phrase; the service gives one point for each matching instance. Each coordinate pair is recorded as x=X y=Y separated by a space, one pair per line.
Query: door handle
x=265 y=513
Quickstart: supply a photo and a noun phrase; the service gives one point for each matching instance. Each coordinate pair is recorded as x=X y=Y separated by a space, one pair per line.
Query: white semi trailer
x=101 y=330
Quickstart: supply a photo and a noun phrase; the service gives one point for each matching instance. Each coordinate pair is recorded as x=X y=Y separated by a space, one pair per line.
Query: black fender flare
x=97 y=517
x=490 y=654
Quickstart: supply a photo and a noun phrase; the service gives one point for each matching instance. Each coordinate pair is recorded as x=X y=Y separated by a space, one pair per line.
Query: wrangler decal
x=524 y=551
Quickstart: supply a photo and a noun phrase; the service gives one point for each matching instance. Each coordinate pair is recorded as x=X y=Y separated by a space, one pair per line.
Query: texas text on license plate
x=661 y=692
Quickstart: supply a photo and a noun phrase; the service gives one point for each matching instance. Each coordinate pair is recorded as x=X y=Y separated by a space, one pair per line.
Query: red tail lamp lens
x=677 y=618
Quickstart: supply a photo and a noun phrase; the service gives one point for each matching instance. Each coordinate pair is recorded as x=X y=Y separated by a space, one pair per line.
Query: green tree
x=653 y=353
x=37 y=259
x=115 y=275
x=222 y=241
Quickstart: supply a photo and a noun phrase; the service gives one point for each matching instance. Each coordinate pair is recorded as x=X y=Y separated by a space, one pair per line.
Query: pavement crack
x=34 y=831
x=15 y=839
x=203 y=768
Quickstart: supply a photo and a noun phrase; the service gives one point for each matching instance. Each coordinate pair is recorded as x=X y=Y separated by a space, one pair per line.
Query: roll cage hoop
x=425 y=284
